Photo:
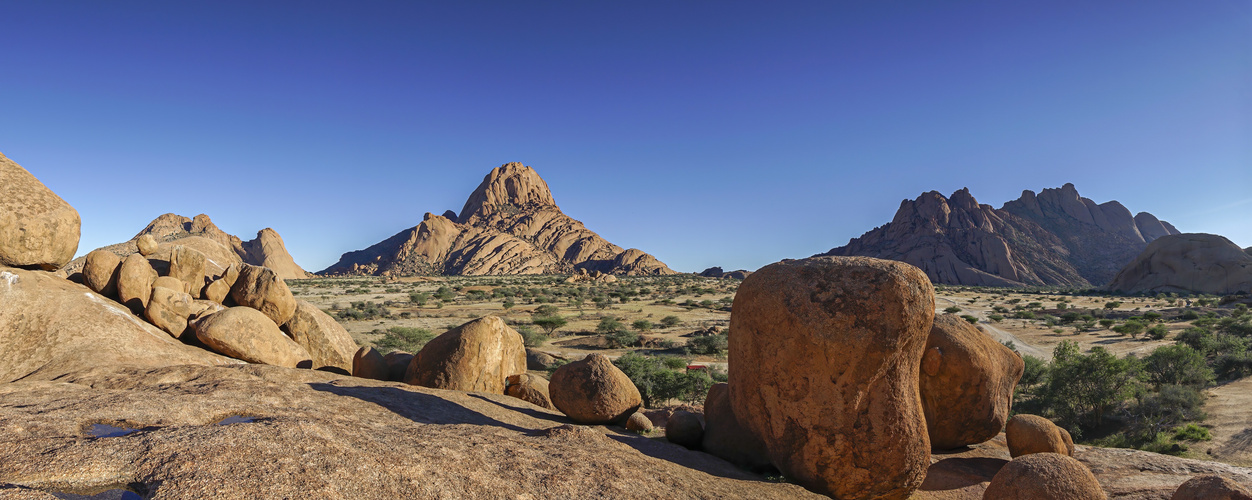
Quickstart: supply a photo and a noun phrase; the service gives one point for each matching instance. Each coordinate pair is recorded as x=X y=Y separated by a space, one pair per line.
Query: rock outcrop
x=477 y=356
x=327 y=342
x=717 y=272
x=593 y=391
x=1211 y=487
x=1188 y=263
x=1028 y=434
x=37 y=228
x=966 y=383
x=510 y=225
x=824 y=369
x=1044 y=476
x=1053 y=238
x=220 y=249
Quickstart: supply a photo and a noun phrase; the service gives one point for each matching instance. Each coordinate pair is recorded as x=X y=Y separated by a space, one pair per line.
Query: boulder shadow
x=958 y=473
x=416 y=406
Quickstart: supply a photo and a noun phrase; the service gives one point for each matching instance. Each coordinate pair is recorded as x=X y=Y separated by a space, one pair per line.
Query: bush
x=1192 y=432
x=530 y=337
x=1157 y=332
x=544 y=311
x=712 y=345
x=1177 y=364
x=996 y=318
x=400 y=338
x=622 y=339
x=609 y=325
x=642 y=325
x=419 y=298
x=670 y=321
x=658 y=383
x=1130 y=327
x=970 y=319
x=952 y=310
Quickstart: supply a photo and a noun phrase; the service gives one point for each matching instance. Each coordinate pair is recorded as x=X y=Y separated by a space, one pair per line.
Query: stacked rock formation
x=1054 y=238
x=509 y=225
x=220 y=249
x=1188 y=263
x=717 y=272
x=967 y=383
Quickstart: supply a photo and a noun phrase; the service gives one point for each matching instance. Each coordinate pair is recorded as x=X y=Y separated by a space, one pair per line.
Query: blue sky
x=707 y=133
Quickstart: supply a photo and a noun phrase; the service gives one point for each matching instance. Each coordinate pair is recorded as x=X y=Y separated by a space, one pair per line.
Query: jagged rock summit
x=1053 y=238
x=220 y=248
x=1189 y=263
x=509 y=225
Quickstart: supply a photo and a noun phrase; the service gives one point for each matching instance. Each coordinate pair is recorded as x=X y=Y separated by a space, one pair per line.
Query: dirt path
x=1231 y=423
x=1001 y=336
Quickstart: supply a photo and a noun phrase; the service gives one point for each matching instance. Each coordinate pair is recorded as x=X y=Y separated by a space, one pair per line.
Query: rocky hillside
x=1191 y=263
x=509 y=225
x=222 y=249
x=1054 y=238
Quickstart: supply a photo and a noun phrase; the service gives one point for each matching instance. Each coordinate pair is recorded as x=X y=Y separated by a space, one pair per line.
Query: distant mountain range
x=509 y=225
x=1054 y=238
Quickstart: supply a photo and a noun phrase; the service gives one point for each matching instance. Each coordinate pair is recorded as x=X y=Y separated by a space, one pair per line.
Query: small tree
x=508 y=304
x=642 y=325
x=549 y=324
x=545 y=310
x=609 y=325
x=670 y=321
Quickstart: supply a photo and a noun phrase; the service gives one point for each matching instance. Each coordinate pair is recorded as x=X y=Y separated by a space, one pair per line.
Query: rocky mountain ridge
x=1055 y=237
x=510 y=224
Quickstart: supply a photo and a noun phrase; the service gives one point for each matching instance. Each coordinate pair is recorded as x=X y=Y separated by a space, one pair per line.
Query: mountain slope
x=1054 y=238
x=510 y=224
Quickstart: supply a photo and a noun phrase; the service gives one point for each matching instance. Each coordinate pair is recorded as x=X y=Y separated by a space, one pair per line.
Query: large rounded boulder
x=1027 y=434
x=824 y=361
x=725 y=437
x=323 y=337
x=247 y=334
x=100 y=270
x=477 y=356
x=593 y=391
x=37 y=228
x=685 y=429
x=262 y=289
x=1044 y=476
x=369 y=363
x=1211 y=487
x=966 y=384
x=134 y=282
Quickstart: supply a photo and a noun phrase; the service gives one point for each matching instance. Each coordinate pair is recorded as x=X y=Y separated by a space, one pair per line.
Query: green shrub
x=400 y=338
x=969 y=318
x=1192 y=432
x=530 y=337
x=952 y=310
x=622 y=339
x=658 y=383
x=670 y=321
x=549 y=324
x=609 y=325
x=712 y=345
x=642 y=325
x=1157 y=332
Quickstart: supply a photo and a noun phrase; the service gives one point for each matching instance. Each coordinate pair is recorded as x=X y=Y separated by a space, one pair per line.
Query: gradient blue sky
x=707 y=133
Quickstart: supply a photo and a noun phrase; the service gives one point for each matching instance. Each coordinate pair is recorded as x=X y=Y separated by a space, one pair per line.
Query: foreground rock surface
x=477 y=356
x=37 y=228
x=966 y=384
x=398 y=441
x=50 y=326
x=824 y=369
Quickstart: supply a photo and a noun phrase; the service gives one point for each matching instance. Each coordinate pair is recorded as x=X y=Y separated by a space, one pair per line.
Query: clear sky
x=704 y=132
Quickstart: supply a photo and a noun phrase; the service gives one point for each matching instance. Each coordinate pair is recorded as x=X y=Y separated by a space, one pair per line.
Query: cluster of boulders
x=246 y=312
x=581 y=275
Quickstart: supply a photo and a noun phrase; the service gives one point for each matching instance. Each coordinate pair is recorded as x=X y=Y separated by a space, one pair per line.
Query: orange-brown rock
x=134 y=282
x=529 y=388
x=170 y=282
x=966 y=383
x=369 y=363
x=824 y=362
x=685 y=429
x=397 y=364
x=262 y=289
x=220 y=249
x=50 y=326
x=593 y=391
x=476 y=356
x=323 y=337
x=187 y=264
x=1054 y=238
x=100 y=272
x=217 y=290
x=37 y=228
x=1028 y=434
x=1044 y=476
x=1211 y=487
x=725 y=437
x=247 y=334
x=168 y=310
x=638 y=422
x=510 y=225
x=1187 y=263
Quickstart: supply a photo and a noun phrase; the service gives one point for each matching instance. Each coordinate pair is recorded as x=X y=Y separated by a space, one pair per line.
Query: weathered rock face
x=529 y=388
x=1211 y=487
x=220 y=249
x=477 y=356
x=1191 y=263
x=302 y=437
x=187 y=265
x=37 y=228
x=247 y=334
x=168 y=310
x=509 y=225
x=262 y=289
x=100 y=272
x=684 y=429
x=50 y=326
x=966 y=384
x=725 y=437
x=323 y=337
x=824 y=362
x=1044 y=476
x=369 y=363
x=593 y=391
x=1027 y=434
x=134 y=282
x=1055 y=238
